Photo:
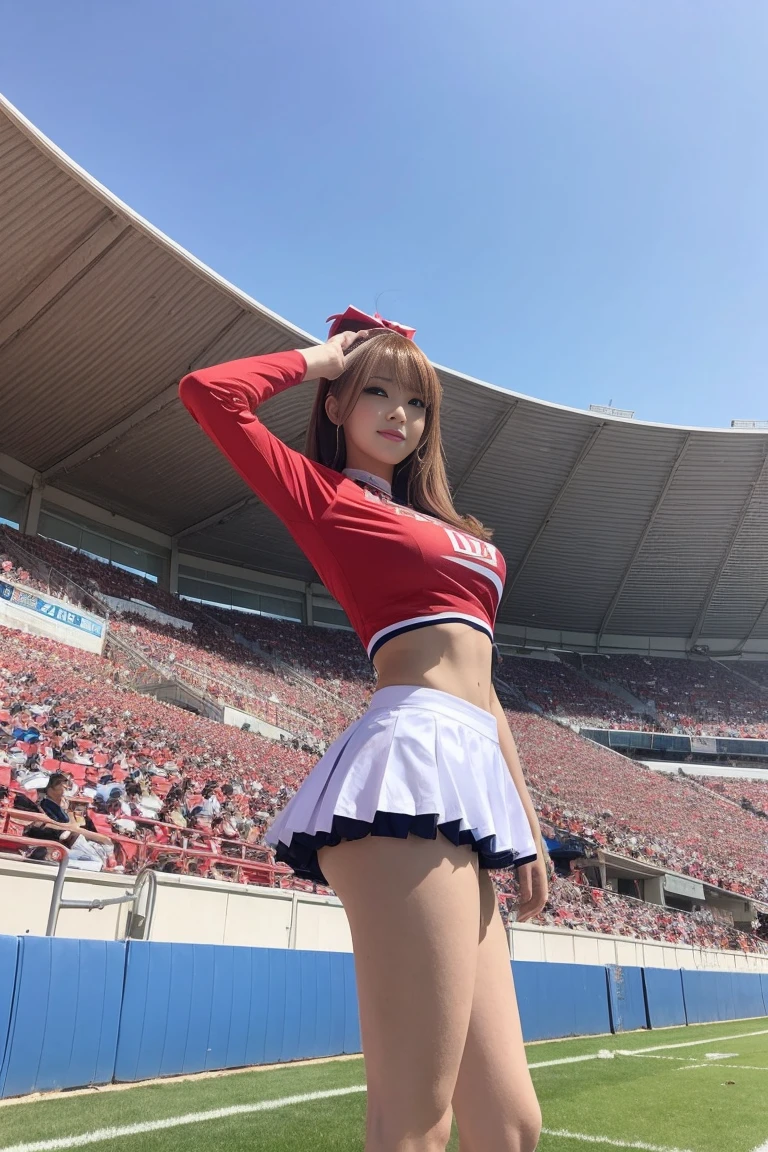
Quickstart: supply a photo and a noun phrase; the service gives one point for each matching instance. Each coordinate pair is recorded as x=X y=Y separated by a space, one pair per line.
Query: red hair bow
x=353 y=320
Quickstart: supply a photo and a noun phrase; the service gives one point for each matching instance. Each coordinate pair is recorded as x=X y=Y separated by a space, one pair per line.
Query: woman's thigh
x=413 y=911
x=494 y=1100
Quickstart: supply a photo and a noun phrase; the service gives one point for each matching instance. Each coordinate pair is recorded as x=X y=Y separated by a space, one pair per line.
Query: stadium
x=166 y=645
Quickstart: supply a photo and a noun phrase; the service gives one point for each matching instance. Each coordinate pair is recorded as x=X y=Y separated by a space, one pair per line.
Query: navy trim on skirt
x=417 y=761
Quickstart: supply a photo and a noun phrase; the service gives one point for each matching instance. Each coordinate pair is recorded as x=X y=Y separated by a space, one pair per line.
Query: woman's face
x=385 y=426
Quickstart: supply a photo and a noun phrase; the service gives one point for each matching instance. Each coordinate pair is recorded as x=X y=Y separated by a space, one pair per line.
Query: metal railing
x=145 y=877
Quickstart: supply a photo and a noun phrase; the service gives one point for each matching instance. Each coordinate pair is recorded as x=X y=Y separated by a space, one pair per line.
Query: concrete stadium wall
x=196 y=911
x=42 y=620
x=119 y=604
x=236 y=717
x=79 y=1012
x=566 y=946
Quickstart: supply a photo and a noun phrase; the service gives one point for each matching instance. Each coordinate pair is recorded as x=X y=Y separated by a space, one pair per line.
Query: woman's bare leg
x=413 y=911
x=494 y=1100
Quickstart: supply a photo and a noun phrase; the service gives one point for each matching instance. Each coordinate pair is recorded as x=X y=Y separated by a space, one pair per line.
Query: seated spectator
x=87 y=848
x=210 y=807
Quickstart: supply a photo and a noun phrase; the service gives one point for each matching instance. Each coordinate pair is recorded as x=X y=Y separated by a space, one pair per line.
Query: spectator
x=311 y=681
x=210 y=806
x=87 y=848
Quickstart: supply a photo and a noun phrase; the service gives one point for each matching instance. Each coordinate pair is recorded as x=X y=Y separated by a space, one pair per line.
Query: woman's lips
x=392 y=436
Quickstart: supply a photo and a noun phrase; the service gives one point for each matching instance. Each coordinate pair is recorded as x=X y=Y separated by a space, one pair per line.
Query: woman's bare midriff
x=454 y=658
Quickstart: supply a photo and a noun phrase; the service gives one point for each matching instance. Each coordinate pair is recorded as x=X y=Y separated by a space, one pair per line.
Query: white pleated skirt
x=417 y=761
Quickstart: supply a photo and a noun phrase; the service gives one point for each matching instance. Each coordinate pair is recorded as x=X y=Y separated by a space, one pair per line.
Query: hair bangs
x=411 y=370
x=392 y=356
x=420 y=480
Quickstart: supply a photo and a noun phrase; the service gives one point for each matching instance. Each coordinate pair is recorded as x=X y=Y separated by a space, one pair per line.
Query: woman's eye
x=375 y=388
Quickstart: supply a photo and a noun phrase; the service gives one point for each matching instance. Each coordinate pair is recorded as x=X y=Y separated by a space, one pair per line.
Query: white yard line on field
x=97 y=1135
x=656 y=1056
x=615 y=1143
x=693 y=1043
x=741 y=1067
x=610 y=1053
x=603 y=1054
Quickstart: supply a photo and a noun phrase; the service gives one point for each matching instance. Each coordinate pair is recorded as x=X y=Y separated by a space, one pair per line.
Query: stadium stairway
x=286 y=668
x=741 y=676
x=573 y=660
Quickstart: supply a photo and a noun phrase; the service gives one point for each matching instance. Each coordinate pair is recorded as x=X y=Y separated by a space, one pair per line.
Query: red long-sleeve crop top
x=391 y=568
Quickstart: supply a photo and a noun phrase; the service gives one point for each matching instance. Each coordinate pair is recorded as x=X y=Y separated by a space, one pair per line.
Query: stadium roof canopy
x=617 y=532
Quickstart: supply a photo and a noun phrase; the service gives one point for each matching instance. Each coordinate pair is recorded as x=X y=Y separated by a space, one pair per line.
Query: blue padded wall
x=722 y=995
x=9 y=948
x=747 y=995
x=79 y=1012
x=626 y=998
x=561 y=999
x=195 y=1007
x=66 y=1007
x=664 y=997
x=708 y=996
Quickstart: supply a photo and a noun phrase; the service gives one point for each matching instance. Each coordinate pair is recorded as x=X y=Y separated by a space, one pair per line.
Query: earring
x=338 y=427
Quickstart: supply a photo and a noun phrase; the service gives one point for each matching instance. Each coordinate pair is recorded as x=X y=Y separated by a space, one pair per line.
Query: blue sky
x=564 y=198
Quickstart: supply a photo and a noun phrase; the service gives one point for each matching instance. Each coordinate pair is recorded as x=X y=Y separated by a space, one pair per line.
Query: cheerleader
x=410 y=807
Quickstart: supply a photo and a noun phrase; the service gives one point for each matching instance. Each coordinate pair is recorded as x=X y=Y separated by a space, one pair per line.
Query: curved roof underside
x=609 y=527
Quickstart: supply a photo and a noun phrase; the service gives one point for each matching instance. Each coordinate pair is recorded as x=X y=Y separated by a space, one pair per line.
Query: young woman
x=369 y=505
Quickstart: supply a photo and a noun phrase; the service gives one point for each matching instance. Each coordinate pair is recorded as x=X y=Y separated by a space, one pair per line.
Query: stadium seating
x=558 y=690
x=750 y=794
x=696 y=697
x=316 y=681
x=205 y=658
x=636 y=812
x=586 y=909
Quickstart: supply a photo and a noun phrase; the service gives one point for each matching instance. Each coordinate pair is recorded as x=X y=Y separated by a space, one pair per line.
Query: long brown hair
x=420 y=480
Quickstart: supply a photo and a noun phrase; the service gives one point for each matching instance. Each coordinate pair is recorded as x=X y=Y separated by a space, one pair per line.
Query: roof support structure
x=700 y=619
x=61 y=272
x=173 y=569
x=105 y=439
x=643 y=537
x=216 y=517
x=586 y=448
x=492 y=436
x=30 y=517
x=743 y=643
x=151 y=408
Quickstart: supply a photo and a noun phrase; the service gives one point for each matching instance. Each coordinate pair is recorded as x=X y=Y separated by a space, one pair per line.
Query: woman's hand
x=326 y=361
x=533 y=885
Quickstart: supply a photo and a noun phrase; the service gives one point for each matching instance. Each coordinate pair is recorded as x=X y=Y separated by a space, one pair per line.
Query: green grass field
x=703 y=1089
